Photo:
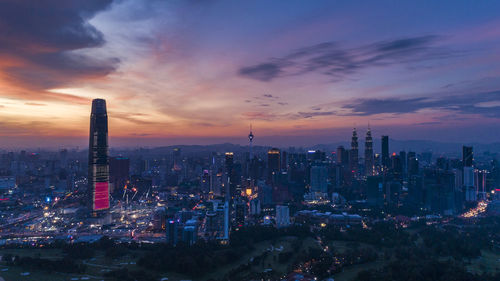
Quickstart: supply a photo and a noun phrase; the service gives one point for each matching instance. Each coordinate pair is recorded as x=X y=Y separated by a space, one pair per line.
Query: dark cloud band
x=42 y=37
x=484 y=103
x=331 y=59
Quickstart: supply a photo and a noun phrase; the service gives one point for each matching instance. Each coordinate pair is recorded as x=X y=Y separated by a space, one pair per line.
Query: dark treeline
x=410 y=269
x=41 y=264
x=204 y=257
x=385 y=234
x=440 y=253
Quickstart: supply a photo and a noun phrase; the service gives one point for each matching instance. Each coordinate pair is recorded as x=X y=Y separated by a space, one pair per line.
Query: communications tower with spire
x=250 y=139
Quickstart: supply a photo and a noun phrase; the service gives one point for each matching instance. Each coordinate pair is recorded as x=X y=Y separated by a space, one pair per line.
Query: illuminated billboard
x=101 y=196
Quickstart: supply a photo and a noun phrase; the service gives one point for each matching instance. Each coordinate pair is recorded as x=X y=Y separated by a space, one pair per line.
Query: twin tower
x=98 y=179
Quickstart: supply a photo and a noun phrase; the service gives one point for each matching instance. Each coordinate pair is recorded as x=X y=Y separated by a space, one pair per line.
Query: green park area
x=383 y=251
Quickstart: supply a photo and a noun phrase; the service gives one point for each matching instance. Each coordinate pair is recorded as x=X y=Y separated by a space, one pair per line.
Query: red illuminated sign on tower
x=101 y=196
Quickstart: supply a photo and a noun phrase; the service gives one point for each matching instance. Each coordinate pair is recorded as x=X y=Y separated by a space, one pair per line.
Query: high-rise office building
x=315 y=156
x=284 y=160
x=468 y=182
x=229 y=162
x=159 y=219
x=217 y=221
x=240 y=210
x=412 y=163
x=273 y=163
x=119 y=168
x=176 y=159
x=468 y=174
x=172 y=227
x=189 y=234
x=467 y=156
x=404 y=162
x=386 y=161
x=226 y=221
x=98 y=178
x=229 y=165
x=353 y=153
x=375 y=190
x=480 y=183
x=342 y=155
x=319 y=178
x=255 y=207
x=368 y=153
x=396 y=165
x=282 y=216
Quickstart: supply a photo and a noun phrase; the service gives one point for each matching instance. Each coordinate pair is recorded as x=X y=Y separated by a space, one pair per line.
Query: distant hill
x=448 y=148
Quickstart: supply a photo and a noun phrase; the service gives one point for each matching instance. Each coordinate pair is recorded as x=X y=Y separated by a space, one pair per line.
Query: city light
x=480 y=209
x=249 y=140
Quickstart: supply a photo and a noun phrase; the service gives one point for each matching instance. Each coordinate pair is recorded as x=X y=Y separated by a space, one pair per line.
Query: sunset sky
x=301 y=72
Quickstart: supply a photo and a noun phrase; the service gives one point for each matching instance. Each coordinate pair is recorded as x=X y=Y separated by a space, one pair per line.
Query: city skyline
x=200 y=73
x=249 y=140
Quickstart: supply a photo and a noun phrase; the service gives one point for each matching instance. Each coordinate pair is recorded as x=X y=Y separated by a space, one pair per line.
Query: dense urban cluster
x=250 y=212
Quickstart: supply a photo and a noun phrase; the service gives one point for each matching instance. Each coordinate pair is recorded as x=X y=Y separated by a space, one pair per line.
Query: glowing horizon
x=202 y=72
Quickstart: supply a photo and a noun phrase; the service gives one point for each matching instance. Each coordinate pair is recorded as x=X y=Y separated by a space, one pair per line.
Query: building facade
x=98 y=178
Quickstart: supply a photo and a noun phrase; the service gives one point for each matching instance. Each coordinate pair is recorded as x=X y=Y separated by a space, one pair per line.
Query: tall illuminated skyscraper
x=368 y=153
x=98 y=157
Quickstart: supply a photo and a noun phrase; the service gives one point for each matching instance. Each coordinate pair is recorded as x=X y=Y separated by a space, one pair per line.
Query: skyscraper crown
x=99 y=106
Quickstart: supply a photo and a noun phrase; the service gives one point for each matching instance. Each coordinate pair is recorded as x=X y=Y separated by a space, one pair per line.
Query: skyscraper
x=396 y=165
x=282 y=216
x=468 y=173
x=229 y=164
x=386 y=161
x=412 y=163
x=172 y=234
x=273 y=163
x=119 y=168
x=240 y=210
x=342 y=155
x=98 y=157
x=176 y=159
x=467 y=156
x=404 y=162
x=353 y=154
x=319 y=178
x=480 y=183
x=368 y=153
